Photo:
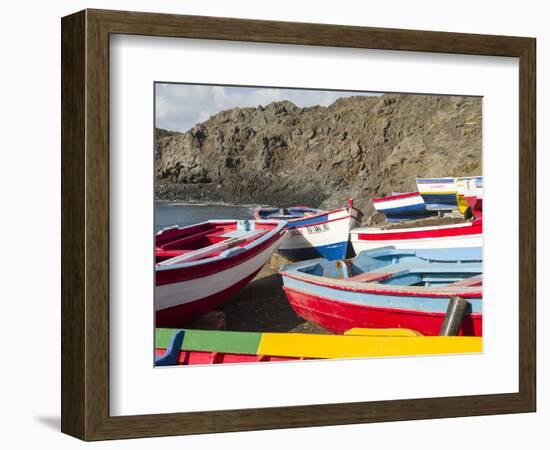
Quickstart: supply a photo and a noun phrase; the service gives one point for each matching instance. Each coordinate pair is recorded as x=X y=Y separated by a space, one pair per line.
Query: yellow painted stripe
x=438 y=192
x=462 y=203
x=342 y=346
x=396 y=332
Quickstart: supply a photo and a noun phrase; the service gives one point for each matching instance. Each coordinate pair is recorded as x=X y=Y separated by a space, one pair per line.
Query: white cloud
x=180 y=106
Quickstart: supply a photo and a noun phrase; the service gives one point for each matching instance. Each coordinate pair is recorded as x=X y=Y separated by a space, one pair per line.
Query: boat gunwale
x=381 y=289
x=397 y=197
x=377 y=230
x=348 y=216
x=321 y=213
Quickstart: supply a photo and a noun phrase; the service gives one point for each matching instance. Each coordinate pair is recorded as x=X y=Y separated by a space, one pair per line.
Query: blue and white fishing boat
x=398 y=207
x=439 y=194
x=388 y=288
x=313 y=233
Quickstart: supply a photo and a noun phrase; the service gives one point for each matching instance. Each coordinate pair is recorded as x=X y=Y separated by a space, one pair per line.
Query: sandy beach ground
x=263 y=306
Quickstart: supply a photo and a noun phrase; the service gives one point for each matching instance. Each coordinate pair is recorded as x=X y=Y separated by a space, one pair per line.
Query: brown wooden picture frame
x=85 y=224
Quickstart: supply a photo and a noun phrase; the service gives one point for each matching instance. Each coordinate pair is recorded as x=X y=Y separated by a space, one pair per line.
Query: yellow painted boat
x=366 y=343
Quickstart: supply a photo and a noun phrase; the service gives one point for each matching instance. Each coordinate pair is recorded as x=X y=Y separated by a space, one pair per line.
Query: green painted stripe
x=163 y=336
x=212 y=341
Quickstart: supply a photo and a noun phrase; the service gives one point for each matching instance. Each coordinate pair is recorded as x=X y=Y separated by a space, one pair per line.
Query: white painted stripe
x=475 y=240
x=355 y=231
x=174 y=294
x=436 y=188
x=398 y=203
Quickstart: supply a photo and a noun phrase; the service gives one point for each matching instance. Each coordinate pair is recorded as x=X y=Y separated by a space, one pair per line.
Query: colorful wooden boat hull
x=184 y=291
x=320 y=236
x=475 y=202
x=439 y=194
x=474 y=197
x=463 y=235
x=470 y=194
x=338 y=304
x=314 y=233
x=194 y=347
x=189 y=347
x=338 y=317
x=400 y=207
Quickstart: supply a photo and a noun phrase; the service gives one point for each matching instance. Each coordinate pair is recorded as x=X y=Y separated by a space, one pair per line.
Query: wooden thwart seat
x=367 y=277
x=468 y=282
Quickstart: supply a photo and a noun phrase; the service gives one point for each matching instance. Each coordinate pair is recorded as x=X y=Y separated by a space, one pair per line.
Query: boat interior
x=390 y=266
x=293 y=212
x=206 y=240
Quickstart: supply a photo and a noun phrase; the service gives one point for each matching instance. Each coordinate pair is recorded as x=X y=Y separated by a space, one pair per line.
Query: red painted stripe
x=379 y=289
x=395 y=197
x=477 y=281
x=466 y=230
x=175 y=275
x=194 y=357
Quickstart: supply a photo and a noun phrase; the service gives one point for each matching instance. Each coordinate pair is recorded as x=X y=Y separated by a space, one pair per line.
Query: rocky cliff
x=358 y=147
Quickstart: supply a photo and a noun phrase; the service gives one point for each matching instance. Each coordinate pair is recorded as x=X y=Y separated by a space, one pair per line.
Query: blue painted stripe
x=171 y=356
x=439 y=201
x=331 y=252
x=422 y=304
x=419 y=207
x=439 y=198
x=293 y=223
x=416 y=211
x=434 y=180
x=469 y=178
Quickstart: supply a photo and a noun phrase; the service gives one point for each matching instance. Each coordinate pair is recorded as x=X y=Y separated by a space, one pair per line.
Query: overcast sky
x=180 y=106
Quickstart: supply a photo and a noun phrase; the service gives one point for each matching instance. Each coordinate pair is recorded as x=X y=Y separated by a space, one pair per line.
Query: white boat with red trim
x=200 y=266
x=461 y=235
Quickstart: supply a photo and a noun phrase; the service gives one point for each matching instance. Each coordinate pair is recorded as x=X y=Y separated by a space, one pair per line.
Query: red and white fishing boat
x=200 y=266
x=461 y=235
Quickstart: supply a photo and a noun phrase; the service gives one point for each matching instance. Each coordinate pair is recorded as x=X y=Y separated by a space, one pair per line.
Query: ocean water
x=177 y=213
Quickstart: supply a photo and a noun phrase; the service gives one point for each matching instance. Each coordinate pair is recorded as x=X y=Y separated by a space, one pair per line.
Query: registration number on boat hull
x=314 y=229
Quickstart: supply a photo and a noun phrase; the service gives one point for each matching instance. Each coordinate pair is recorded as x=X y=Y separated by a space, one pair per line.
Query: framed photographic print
x=271 y=224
